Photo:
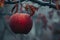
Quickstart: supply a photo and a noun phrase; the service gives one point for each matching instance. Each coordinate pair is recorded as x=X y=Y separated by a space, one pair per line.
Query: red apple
x=20 y=23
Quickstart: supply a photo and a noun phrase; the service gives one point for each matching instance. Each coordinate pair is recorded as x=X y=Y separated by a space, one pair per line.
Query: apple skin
x=21 y=23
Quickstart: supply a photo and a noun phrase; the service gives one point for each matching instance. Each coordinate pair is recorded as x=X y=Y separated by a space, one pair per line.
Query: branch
x=44 y=4
x=10 y=2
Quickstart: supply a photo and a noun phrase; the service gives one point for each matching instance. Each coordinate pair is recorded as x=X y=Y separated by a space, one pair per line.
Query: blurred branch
x=10 y=2
x=44 y=4
x=35 y=1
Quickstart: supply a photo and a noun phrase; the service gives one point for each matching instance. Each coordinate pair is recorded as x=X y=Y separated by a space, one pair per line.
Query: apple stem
x=30 y=9
x=15 y=6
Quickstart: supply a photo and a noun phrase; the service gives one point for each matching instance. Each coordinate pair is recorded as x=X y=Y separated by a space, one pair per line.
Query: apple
x=21 y=23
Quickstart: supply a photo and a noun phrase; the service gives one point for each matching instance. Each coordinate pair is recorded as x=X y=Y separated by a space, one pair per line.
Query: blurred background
x=46 y=20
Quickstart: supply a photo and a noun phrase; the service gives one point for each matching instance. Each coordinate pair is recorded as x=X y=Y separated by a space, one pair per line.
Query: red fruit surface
x=21 y=23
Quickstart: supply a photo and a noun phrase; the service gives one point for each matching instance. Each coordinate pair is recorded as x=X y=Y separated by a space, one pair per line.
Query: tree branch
x=44 y=4
x=10 y=2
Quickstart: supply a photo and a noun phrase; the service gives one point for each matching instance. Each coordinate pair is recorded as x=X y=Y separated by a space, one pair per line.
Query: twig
x=44 y=4
x=10 y=2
